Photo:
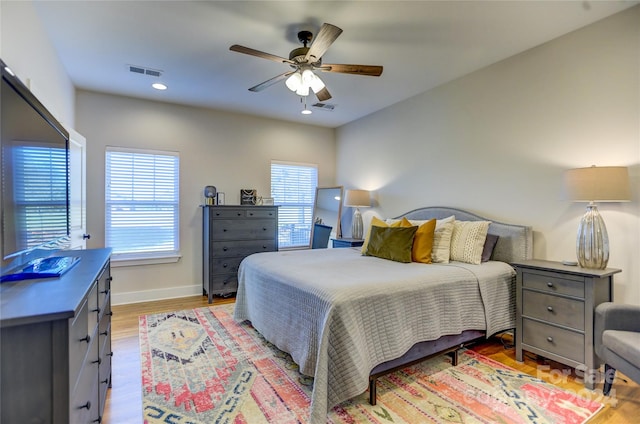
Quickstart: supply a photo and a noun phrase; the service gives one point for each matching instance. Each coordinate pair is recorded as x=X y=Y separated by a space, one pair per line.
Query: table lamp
x=595 y=184
x=357 y=199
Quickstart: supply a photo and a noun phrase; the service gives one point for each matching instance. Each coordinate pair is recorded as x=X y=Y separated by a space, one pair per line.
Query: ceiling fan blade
x=323 y=95
x=270 y=82
x=370 y=70
x=327 y=35
x=258 y=53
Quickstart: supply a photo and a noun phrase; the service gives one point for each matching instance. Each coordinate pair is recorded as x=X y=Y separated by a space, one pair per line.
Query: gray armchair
x=617 y=340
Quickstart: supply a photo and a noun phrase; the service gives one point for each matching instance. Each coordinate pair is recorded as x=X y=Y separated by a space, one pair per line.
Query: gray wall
x=229 y=151
x=498 y=140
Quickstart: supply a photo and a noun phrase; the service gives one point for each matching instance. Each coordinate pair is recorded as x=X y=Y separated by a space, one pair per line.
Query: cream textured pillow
x=442 y=240
x=467 y=241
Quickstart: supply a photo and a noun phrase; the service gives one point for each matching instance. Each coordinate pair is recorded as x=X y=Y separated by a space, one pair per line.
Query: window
x=141 y=202
x=293 y=188
x=40 y=184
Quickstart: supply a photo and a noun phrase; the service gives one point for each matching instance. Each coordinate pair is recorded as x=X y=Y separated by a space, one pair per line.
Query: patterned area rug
x=201 y=367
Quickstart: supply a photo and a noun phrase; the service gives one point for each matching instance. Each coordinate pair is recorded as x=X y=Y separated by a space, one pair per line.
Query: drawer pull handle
x=96 y=310
x=239 y=214
x=550 y=339
x=550 y=308
x=224 y=249
x=99 y=361
x=250 y=213
x=105 y=381
x=97 y=420
x=109 y=354
x=224 y=230
x=109 y=278
x=224 y=265
x=105 y=333
x=86 y=405
x=264 y=229
x=104 y=291
x=549 y=284
x=87 y=339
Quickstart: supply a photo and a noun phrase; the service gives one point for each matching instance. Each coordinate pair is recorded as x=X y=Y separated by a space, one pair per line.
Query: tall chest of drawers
x=555 y=307
x=231 y=233
x=55 y=355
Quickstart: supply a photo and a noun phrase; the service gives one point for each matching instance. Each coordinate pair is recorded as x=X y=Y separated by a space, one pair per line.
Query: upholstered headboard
x=515 y=242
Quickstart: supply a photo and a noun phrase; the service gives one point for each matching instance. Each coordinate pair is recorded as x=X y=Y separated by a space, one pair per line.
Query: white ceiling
x=421 y=44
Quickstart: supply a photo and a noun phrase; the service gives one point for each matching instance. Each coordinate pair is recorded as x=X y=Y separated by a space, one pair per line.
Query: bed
x=346 y=318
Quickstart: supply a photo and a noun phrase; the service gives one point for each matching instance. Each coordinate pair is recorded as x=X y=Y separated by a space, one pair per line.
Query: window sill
x=122 y=261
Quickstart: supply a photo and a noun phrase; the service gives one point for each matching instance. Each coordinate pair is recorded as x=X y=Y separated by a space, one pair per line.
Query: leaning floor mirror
x=326 y=216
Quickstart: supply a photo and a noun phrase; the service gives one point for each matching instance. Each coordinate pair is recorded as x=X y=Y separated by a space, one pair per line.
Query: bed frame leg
x=454 y=358
x=372 y=391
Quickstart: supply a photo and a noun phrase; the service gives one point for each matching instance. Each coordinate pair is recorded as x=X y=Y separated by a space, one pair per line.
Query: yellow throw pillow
x=377 y=222
x=423 y=242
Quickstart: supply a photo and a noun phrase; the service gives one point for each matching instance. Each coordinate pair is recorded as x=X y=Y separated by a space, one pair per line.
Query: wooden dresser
x=555 y=306
x=231 y=233
x=55 y=355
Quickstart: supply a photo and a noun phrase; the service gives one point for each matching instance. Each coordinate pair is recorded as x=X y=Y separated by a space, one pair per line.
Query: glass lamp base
x=356 y=225
x=592 y=244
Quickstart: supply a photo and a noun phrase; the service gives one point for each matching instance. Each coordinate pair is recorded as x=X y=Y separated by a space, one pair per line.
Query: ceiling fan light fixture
x=294 y=81
x=303 y=90
x=316 y=84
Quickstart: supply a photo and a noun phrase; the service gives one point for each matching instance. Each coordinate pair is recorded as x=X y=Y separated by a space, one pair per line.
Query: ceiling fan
x=304 y=60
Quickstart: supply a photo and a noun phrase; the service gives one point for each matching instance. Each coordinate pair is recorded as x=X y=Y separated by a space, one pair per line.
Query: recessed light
x=159 y=86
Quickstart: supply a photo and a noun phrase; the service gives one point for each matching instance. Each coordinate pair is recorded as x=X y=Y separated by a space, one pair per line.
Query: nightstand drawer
x=552 y=283
x=553 y=309
x=559 y=341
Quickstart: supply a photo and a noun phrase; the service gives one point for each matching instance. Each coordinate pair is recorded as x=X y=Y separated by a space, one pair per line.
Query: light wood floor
x=124 y=401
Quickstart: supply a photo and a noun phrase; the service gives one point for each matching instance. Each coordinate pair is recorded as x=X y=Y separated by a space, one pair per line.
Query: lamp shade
x=597 y=184
x=357 y=198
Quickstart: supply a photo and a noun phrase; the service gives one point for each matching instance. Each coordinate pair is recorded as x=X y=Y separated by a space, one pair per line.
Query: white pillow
x=442 y=239
x=467 y=241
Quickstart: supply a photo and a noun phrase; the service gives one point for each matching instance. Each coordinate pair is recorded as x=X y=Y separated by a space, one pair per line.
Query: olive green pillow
x=392 y=243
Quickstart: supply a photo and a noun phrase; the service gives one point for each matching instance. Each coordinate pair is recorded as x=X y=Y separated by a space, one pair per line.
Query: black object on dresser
x=555 y=306
x=55 y=352
x=231 y=233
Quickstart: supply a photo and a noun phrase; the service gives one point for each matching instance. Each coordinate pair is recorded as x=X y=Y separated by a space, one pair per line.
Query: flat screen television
x=34 y=198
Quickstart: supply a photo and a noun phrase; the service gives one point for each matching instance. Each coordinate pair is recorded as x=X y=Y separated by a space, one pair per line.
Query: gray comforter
x=339 y=314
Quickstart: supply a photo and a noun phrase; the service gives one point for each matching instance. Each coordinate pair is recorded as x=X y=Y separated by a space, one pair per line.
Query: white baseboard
x=151 y=295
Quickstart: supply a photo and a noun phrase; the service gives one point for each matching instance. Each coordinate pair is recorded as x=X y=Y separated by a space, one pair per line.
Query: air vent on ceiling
x=144 y=71
x=324 y=106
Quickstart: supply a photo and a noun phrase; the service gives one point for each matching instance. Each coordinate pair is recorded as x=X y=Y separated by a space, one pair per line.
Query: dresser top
x=49 y=299
x=566 y=269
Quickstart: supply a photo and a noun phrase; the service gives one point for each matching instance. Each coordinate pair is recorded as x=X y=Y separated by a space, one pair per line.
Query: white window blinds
x=142 y=203
x=40 y=175
x=293 y=188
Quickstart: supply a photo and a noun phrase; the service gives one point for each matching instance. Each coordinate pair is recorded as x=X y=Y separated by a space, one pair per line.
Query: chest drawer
x=225 y=265
x=553 y=309
x=235 y=213
x=553 y=283
x=243 y=229
x=241 y=248
x=559 y=341
x=79 y=342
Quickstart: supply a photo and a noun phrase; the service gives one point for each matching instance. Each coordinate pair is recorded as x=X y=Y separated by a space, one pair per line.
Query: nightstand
x=347 y=242
x=555 y=310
